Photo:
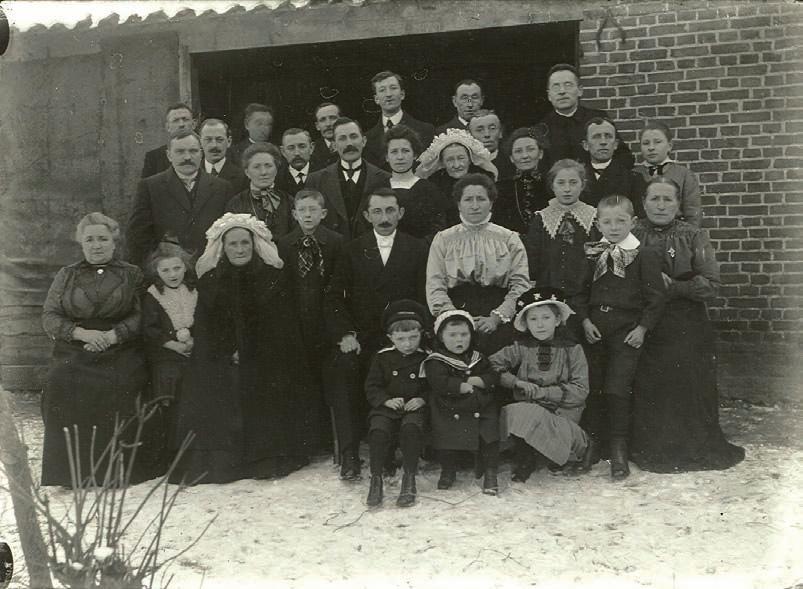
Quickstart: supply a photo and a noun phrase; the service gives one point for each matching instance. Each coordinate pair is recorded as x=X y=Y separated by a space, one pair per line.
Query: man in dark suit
x=605 y=174
x=216 y=141
x=182 y=201
x=258 y=123
x=374 y=269
x=324 y=152
x=347 y=183
x=389 y=94
x=486 y=127
x=178 y=117
x=566 y=121
x=296 y=149
x=467 y=100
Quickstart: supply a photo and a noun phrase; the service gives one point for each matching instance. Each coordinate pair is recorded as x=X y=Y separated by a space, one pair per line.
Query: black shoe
x=619 y=467
x=375 y=493
x=350 y=468
x=490 y=484
x=591 y=455
x=479 y=465
x=408 y=491
x=446 y=479
x=521 y=473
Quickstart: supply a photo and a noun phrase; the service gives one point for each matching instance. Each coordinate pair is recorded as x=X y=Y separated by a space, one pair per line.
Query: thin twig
x=351 y=523
x=452 y=503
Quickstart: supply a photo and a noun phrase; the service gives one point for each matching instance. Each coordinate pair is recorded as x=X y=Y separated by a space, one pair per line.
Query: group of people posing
x=427 y=289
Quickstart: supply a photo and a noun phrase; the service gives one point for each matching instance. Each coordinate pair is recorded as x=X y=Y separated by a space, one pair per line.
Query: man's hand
x=414 y=404
x=349 y=344
x=397 y=404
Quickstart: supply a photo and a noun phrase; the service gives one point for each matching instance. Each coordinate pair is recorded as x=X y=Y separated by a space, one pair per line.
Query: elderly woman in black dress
x=92 y=312
x=247 y=397
x=425 y=207
x=261 y=163
x=676 y=402
x=451 y=156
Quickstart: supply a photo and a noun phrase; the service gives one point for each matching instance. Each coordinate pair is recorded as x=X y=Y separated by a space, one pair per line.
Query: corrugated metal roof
x=26 y=15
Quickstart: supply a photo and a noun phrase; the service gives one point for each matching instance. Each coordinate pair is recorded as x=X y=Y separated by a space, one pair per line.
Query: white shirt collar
x=666 y=161
x=208 y=166
x=395 y=119
x=384 y=240
x=571 y=114
x=601 y=166
x=630 y=242
x=294 y=173
x=463 y=121
x=346 y=165
x=184 y=178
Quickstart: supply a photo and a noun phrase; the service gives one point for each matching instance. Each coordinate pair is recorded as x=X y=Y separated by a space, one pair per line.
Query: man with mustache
x=467 y=100
x=216 y=141
x=389 y=94
x=296 y=149
x=380 y=266
x=181 y=201
x=567 y=119
x=324 y=152
x=347 y=183
x=178 y=117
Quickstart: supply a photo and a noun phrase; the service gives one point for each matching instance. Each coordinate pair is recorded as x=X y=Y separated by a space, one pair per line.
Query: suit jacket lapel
x=176 y=188
x=394 y=259
x=371 y=255
x=202 y=191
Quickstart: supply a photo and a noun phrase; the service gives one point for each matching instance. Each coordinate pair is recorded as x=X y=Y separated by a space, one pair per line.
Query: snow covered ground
x=741 y=528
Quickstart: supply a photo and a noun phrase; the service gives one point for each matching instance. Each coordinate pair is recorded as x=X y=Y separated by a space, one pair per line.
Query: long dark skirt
x=88 y=390
x=676 y=401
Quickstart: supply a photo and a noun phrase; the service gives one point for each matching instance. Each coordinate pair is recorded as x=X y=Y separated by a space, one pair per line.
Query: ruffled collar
x=553 y=214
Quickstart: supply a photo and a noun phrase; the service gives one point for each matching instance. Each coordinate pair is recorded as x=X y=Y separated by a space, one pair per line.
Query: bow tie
x=603 y=251
x=656 y=170
x=267 y=196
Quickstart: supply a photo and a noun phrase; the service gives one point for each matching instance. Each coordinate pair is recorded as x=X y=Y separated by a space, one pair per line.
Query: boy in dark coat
x=397 y=396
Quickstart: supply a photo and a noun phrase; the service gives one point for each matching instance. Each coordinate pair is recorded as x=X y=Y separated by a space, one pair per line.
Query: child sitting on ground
x=397 y=396
x=549 y=377
x=623 y=297
x=464 y=412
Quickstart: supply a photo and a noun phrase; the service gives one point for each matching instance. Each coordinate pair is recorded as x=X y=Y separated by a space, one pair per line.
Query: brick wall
x=728 y=79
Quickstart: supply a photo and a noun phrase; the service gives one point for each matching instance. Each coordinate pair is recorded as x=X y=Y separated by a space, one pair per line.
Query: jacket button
x=412 y=375
x=477 y=415
x=456 y=417
x=395 y=373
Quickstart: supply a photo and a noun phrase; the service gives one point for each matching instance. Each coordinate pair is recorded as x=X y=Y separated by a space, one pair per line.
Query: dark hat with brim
x=403 y=309
x=536 y=297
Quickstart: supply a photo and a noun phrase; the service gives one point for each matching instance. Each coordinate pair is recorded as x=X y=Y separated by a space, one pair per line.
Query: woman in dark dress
x=521 y=196
x=261 y=163
x=92 y=312
x=247 y=397
x=425 y=207
x=676 y=401
x=451 y=156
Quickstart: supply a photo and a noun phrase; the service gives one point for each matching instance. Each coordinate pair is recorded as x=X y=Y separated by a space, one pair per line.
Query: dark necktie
x=389 y=125
x=350 y=173
x=308 y=253
x=656 y=170
x=214 y=171
x=300 y=179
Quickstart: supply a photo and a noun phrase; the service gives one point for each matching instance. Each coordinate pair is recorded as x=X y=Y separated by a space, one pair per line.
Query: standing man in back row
x=567 y=120
x=178 y=117
x=467 y=100
x=388 y=95
x=258 y=123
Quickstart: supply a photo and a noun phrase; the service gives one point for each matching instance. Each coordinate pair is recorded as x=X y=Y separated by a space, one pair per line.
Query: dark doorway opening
x=510 y=62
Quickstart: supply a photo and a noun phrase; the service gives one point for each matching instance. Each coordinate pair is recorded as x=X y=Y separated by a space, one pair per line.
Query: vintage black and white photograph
x=401 y=294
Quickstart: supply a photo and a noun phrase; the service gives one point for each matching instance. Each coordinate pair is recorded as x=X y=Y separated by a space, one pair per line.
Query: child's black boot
x=408 y=490
x=375 y=493
x=619 y=467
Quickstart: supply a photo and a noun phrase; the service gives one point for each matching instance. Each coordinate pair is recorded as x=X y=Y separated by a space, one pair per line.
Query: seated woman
x=425 y=207
x=521 y=196
x=478 y=266
x=247 y=397
x=675 y=397
x=261 y=163
x=451 y=156
x=97 y=371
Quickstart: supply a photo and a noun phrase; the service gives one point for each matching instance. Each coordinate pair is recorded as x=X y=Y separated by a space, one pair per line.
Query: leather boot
x=375 y=493
x=447 y=478
x=490 y=484
x=408 y=490
x=591 y=455
x=350 y=466
x=619 y=467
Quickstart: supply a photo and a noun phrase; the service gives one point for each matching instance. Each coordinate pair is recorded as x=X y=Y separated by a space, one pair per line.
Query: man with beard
x=380 y=266
x=180 y=201
x=216 y=141
x=388 y=95
x=178 y=117
x=296 y=149
x=347 y=183
x=324 y=152
x=467 y=100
